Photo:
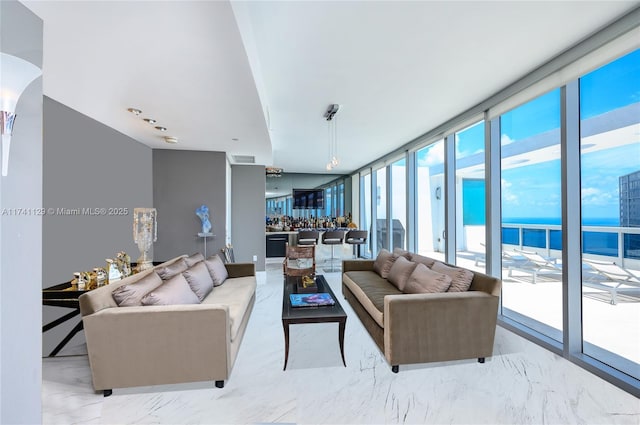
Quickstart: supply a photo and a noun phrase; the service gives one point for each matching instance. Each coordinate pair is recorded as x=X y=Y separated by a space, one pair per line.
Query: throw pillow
x=383 y=263
x=132 y=293
x=402 y=252
x=460 y=278
x=173 y=291
x=167 y=272
x=427 y=261
x=217 y=270
x=424 y=280
x=199 y=280
x=400 y=272
x=194 y=259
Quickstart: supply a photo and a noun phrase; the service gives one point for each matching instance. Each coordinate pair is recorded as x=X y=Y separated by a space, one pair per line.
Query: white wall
x=21 y=234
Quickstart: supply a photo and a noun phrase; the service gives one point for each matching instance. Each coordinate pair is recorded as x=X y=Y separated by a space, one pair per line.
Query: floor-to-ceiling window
x=398 y=205
x=365 y=211
x=430 y=200
x=610 y=179
x=470 y=198
x=531 y=214
x=382 y=239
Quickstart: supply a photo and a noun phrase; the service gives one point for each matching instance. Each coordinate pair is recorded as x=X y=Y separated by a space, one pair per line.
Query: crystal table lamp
x=145 y=233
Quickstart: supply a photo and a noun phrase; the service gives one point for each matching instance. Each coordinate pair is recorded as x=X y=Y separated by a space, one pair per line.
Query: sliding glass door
x=610 y=179
x=531 y=215
x=430 y=201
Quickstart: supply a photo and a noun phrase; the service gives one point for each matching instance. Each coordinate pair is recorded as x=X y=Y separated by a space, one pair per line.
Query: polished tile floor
x=521 y=384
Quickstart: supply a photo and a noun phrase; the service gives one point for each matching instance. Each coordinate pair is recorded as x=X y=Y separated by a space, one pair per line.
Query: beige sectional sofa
x=422 y=327
x=139 y=345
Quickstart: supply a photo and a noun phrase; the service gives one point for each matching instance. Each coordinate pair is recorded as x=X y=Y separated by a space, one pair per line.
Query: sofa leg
x=480 y=359
x=219 y=384
x=107 y=393
x=395 y=368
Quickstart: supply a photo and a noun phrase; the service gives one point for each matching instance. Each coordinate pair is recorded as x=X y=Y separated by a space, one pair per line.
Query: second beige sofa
x=426 y=327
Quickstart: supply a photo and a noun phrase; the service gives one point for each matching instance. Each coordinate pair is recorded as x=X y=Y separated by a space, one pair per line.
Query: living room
x=61 y=158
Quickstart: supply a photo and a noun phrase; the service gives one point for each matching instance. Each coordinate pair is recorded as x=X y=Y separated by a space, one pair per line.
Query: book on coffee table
x=311 y=300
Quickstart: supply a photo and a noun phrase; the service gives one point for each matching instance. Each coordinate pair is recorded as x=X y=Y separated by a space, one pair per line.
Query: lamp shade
x=15 y=75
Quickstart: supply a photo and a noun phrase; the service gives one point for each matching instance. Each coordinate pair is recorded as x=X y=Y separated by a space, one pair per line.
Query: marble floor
x=521 y=384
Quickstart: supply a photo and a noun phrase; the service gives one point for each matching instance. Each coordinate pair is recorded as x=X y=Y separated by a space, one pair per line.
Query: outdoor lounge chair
x=533 y=263
x=610 y=277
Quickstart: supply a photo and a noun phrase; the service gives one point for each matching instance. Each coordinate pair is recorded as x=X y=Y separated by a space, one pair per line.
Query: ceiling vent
x=244 y=159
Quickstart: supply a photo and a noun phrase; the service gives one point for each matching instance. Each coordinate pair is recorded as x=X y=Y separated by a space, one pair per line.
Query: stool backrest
x=356 y=236
x=333 y=235
x=308 y=235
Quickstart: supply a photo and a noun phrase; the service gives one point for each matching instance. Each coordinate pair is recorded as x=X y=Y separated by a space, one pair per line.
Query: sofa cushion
x=236 y=295
x=402 y=252
x=199 y=279
x=370 y=289
x=194 y=259
x=131 y=294
x=400 y=272
x=427 y=261
x=167 y=272
x=460 y=278
x=383 y=263
x=217 y=270
x=425 y=280
x=173 y=291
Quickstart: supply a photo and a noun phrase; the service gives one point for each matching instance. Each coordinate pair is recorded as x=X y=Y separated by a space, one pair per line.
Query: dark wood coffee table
x=322 y=314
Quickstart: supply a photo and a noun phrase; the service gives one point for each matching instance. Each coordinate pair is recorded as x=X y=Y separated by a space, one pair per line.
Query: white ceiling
x=264 y=72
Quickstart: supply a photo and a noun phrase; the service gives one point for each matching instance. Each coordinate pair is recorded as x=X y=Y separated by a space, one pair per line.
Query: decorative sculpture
x=203 y=213
x=123 y=262
x=145 y=233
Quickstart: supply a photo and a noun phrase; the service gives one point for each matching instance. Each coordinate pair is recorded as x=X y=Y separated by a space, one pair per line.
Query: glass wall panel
x=328 y=206
x=382 y=239
x=531 y=203
x=399 y=203
x=340 y=203
x=365 y=212
x=430 y=201
x=470 y=198
x=610 y=179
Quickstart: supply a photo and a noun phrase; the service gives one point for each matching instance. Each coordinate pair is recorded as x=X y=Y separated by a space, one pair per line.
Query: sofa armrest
x=439 y=327
x=485 y=283
x=357 y=265
x=241 y=269
x=134 y=346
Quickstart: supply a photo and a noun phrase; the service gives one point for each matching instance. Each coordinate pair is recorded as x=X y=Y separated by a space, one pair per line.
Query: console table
x=63 y=295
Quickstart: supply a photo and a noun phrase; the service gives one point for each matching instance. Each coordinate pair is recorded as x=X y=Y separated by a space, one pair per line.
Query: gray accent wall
x=182 y=181
x=21 y=233
x=87 y=165
x=248 y=209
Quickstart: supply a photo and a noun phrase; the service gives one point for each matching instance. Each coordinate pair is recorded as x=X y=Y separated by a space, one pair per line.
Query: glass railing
x=617 y=243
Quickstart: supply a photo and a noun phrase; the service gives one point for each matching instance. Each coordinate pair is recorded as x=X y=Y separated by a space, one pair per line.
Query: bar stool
x=333 y=238
x=356 y=237
x=308 y=237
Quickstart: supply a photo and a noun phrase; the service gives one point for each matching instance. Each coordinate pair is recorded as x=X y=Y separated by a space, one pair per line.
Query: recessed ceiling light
x=150 y=120
x=135 y=111
x=170 y=139
x=161 y=128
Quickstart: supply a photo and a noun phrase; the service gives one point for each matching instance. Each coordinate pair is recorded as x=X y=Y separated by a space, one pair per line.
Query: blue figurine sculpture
x=203 y=213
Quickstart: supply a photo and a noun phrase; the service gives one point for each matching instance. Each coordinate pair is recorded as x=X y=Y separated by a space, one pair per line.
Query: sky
x=534 y=191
